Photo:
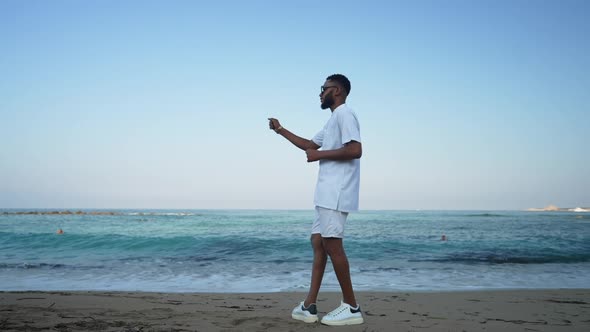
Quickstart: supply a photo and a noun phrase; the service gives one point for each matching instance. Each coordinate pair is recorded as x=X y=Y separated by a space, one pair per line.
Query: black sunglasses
x=324 y=88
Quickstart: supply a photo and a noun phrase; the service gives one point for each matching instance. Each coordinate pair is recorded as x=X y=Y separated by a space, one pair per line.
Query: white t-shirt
x=338 y=180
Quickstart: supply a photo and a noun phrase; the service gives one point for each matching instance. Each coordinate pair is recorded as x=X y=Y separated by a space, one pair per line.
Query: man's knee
x=333 y=246
x=317 y=243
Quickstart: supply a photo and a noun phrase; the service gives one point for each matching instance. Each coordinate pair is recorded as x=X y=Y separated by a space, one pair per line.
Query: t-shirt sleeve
x=349 y=128
x=319 y=138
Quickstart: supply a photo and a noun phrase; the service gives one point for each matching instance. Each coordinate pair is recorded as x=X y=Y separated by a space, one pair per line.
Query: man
x=336 y=195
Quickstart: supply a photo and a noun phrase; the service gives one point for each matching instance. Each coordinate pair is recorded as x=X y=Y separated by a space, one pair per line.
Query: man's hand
x=312 y=155
x=273 y=124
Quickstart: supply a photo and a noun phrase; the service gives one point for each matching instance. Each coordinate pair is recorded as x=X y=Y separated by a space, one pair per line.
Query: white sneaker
x=308 y=315
x=344 y=315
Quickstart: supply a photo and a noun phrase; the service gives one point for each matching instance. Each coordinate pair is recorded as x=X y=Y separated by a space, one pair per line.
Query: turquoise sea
x=268 y=251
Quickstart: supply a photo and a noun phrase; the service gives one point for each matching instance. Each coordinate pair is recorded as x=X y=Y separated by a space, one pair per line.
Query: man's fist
x=312 y=155
x=273 y=123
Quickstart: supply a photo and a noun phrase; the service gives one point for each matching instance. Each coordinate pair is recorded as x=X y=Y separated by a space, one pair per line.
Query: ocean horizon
x=251 y=250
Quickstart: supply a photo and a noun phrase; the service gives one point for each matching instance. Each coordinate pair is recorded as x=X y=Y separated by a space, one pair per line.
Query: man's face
x=327 y=94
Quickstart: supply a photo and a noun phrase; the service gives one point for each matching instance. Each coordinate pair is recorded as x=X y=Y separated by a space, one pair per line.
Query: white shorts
x=329 y=223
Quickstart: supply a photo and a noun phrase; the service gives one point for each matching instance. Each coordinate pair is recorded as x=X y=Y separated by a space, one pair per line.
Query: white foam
x=461 y=277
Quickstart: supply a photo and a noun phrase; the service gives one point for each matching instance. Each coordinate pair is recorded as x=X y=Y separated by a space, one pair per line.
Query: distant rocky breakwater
x=93 y=213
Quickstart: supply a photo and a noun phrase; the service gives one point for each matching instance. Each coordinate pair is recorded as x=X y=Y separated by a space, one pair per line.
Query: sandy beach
x=520 y=310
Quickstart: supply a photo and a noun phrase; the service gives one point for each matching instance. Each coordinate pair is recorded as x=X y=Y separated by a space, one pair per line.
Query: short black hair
x=342 y=80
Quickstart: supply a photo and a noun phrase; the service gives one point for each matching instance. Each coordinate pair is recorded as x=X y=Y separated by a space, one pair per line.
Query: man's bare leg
x=335 y=250
x=317 y=272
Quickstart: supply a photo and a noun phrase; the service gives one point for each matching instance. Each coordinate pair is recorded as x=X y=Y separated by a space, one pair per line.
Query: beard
x=328 y=101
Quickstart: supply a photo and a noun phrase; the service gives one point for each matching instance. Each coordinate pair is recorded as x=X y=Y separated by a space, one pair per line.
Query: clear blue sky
x=163 y=104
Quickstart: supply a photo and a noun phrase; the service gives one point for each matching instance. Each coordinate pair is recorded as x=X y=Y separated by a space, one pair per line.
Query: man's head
x=334 y=91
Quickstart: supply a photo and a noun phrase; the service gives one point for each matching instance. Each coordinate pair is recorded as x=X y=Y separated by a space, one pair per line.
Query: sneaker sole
x=305 y=319
x=349 y=321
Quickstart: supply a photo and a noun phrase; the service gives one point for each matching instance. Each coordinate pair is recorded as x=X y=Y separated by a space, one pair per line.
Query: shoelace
x=337 y=311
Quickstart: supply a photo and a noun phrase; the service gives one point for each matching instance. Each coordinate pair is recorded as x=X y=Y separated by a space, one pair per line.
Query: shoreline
x=154 y=211
x=480 y=310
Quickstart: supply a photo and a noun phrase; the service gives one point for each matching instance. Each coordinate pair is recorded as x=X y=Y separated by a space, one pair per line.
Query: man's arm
x=350 y=150
x=300 y=142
